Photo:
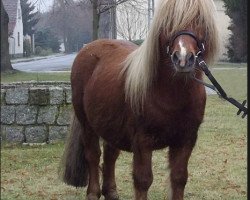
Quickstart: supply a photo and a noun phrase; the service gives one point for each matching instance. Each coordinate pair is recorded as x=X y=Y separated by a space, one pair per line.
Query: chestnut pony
x=140 y=99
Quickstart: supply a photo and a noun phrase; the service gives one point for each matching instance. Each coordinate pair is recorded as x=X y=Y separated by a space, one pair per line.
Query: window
x=18 y=39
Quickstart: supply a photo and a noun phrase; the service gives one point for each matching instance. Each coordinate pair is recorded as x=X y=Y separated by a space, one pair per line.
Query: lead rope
x=217 y=88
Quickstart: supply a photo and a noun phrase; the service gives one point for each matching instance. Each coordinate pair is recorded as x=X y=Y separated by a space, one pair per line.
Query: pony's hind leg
x=110 y=154
x=178 y=163
x=92 y=154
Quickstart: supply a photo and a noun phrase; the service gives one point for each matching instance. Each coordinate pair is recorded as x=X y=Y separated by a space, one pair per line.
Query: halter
x=200 y=44
x=202 y=64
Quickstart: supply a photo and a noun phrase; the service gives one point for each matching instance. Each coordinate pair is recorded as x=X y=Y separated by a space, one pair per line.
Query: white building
x=223 y=21
x=15 y=27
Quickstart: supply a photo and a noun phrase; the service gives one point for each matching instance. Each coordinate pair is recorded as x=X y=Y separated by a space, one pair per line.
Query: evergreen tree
x=237 y=47
x=46 y=39
x=29 y=16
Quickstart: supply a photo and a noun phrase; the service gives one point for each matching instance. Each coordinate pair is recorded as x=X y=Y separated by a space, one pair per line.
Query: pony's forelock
x=171 y=16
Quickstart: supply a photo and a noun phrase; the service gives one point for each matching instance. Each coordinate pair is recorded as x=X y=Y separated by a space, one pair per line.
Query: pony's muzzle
x=183 y=63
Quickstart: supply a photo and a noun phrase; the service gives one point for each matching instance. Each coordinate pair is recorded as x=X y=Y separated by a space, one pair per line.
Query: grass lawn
x=233 y=81
x=217 y=167
x=18 y=76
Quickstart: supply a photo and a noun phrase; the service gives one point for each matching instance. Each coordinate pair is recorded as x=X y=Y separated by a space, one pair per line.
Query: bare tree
x=68 y=21
x=131 y=20
x=99 y=7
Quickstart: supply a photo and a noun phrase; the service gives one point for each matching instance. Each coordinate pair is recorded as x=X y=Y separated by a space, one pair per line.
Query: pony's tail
x=74 y=170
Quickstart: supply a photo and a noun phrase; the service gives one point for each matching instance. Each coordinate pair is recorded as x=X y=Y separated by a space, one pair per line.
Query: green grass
x=233 y=81
x=229 y=65
x=217 y=167
x=18 y=76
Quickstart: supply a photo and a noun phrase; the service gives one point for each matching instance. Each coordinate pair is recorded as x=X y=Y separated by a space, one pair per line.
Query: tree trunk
x=96 y=19
x=5 y=56
x=65 y=29
x=65 y=41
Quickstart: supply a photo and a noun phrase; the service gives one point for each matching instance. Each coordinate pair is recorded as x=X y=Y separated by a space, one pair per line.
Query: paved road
x=54 y=63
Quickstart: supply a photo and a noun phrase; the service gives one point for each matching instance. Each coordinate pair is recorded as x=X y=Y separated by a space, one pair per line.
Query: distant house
x=15 y=29
x=223 y=21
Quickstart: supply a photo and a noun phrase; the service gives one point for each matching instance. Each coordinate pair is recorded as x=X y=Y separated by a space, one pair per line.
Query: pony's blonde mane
x=172 y=16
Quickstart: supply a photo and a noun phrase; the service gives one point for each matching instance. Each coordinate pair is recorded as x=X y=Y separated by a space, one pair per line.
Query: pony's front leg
x=178 y=163
x=142 y=169
x=110 y=155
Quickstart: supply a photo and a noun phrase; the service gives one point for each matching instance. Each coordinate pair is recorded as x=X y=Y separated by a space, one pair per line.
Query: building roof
x=11 y=8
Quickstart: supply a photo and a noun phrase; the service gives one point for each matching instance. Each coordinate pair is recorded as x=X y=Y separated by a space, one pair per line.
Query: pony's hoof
x=92 y=197
x=112 y=196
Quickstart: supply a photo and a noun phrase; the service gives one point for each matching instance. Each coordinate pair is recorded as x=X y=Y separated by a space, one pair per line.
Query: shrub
x=46 y=52
x=38 y=50
x=43 y=52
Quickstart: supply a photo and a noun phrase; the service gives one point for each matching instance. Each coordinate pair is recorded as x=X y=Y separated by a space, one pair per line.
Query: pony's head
x=171 y=17
x=194 y=18
x=183 y=50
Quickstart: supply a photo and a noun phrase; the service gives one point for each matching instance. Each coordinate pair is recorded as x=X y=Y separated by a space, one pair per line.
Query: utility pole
x=113 y=31
x=151 y=6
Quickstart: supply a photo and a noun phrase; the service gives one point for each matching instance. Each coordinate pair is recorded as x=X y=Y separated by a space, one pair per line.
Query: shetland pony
x=140 y=99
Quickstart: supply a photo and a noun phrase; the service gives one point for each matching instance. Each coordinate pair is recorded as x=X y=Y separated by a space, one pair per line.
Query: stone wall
x=35 y=112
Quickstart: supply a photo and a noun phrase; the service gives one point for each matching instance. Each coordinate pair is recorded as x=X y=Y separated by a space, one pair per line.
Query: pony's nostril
x=190 y=59
x=175 y=58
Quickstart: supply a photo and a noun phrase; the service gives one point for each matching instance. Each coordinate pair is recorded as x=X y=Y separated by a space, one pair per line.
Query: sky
x=42 y=5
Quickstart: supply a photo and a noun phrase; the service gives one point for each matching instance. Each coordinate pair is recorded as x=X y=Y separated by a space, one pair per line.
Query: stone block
x=56 y=96
x=68 y=94
x=36 y=134
x=47 y=114
x=39 y=96
x=7 y=114
x=58 y=132
x=17 y=96
x=64 y=116
x=26 y=114
x=14 y=134
x=3 y=93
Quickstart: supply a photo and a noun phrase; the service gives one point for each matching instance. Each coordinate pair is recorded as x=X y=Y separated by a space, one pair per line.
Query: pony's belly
x=123 y=137
x=173 y=132
x=123 y=144
x=114 y=131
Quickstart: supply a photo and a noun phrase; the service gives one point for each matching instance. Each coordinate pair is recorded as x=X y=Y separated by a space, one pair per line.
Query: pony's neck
x=172 y=88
